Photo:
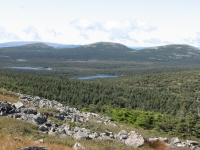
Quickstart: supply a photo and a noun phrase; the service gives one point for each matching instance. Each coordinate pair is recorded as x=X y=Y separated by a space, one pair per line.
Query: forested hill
x=35 y=46
x=169 y=54
x=100 y=51
x=175 y=52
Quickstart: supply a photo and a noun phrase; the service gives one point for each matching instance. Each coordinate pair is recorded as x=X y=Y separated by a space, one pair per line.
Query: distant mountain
x=58 y=46
x=14 y=44
x=99 y=51
x=55 y=45
x=176 y=54
x=36 y=46
x=174 y=51
x=173 y=54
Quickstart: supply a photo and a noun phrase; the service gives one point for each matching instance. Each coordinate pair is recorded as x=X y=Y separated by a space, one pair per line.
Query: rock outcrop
x=65 y=112
x=194 y=145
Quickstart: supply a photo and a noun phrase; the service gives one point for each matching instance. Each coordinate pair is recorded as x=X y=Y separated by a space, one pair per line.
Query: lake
x=96 y=77
x=31 y=68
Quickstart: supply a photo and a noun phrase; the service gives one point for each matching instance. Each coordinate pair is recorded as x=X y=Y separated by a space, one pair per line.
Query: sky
x=129 y=22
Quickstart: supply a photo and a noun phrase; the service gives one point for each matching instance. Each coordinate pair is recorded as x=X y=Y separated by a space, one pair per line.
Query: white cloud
x=32 y=31
x=195 y=40
x=116 y=30
x=6 y=36
x=22 y=7
x=153 y=41
x=52 y=32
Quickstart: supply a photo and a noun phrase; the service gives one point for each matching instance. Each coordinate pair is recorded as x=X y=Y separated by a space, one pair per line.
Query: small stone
x=78 y=146
x=41 y=140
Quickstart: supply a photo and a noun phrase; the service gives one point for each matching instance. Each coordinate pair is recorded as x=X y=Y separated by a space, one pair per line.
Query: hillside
x=37 y=122
x=32 y=132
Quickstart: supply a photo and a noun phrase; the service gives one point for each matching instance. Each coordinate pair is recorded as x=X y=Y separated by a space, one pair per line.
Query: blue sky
x=130 y=22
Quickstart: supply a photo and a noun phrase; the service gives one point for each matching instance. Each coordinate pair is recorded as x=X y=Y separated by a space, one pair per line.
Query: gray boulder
x=6 y=108
x=174 y=141
x=81 y=135
x=69 y=132
x=163 y=139
x=135 y=139
x=39 y=119
x=181 y=144
x=122 y=135
x=195 y=148
x=29 y=111
x=189 y=142
x=159 y=138
x=153 y=139
x=52 y=131
x=43 y=128
x=34 y=119
x=94 y=135
x=18 y=105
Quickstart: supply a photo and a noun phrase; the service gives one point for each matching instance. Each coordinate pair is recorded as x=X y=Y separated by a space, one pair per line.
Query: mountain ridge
x=58 y=45
x=107 y=51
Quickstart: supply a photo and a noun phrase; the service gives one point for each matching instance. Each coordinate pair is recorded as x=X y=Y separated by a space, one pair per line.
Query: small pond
x=31 y=68
x=96 y=77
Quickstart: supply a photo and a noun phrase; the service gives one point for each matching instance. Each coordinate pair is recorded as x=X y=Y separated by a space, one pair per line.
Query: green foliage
x=171 y=93
x=146 y=120
x=185 y=127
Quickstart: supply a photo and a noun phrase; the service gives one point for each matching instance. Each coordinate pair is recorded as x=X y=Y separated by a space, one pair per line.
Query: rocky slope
x=29 y=110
